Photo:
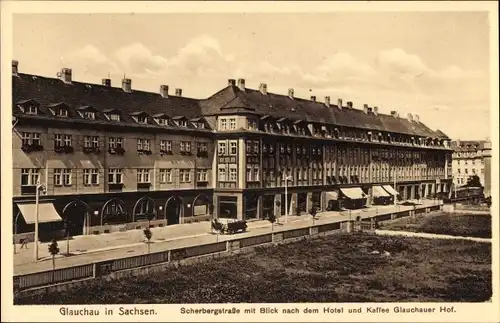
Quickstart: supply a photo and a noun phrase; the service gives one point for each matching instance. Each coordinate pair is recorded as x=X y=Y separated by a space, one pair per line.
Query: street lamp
x=395 y=189
x=287 y=178
x=39 y=187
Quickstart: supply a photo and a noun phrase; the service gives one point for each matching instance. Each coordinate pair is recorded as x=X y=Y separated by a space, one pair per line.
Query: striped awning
x=353 y=193
x=46 y=212
x=390 y=190
x=378 y=191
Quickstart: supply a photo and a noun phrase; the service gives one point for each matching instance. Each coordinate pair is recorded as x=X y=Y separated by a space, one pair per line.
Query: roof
x=468 y=145
x=282 y=106
x=50 y=91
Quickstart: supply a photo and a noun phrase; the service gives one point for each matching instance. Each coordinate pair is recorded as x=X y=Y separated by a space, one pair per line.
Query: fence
x=103 y=268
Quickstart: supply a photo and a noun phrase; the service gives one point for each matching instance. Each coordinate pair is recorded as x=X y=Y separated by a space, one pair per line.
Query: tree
x=53 y=250
x=313 y=212
x=278 y=204
x=218 y=227
x=151 y=217
x=473 y=181
x=148 y=234
x=271 y=218
x=211 y=212
x=66 y=228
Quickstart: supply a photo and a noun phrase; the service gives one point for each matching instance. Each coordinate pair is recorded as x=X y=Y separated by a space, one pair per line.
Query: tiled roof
x=49 y=91
x=280 y=106
x=468 y=145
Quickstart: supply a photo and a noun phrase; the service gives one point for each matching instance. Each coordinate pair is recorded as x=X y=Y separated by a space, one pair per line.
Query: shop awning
x=378 y=191
x=353 y=193
x=332 y=196
x=46 y=212
x=390 y=190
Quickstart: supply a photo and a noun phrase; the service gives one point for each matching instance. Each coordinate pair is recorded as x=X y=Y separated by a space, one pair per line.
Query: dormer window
x=182 y=123
x=161 y=121
x=142 y=119
x=90 y=115
x=31 y=109
x=201 y=125
x=114 y=117
x=62 y=112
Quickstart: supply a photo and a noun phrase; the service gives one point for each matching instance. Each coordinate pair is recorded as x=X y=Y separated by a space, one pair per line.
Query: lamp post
x=89 y=222
x=395 y=189
x=39 y=187
x=287 y=178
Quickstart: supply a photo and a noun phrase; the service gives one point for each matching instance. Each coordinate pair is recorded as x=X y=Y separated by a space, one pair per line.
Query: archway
x=144 y=207
x=201 y=205
x=173 y=210
x=113 y=212
x=76 y=214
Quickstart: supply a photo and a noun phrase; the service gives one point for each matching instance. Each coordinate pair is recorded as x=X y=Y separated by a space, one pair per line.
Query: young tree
x=218 y=227
x=211 y=212
x=148 y=234
x=278 y=205
x=53 y=250
x=66 y=228
x=271 y=218
x=313 y=212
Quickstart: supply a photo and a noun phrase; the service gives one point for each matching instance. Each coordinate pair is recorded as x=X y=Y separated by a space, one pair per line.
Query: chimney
x=231 y=82
x=290 y=93
x=241 y=84
x=15 y=64
x=339 y=103
x=349 y=104
x=127 y=85
x=164 y=91
x=313 y=98
x=263 y=88
x=327 y=101
x=178 y=92
x=410 y=117
x=65 y=75
x=366 y=108
x=394 y=114
x=417 y=118
x=375 y=110
x=106 y=82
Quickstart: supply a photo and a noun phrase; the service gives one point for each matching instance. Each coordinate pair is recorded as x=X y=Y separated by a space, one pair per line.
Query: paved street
x=88 y=249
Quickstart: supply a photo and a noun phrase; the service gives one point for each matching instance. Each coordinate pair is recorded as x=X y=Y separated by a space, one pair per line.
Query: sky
x=433 y=64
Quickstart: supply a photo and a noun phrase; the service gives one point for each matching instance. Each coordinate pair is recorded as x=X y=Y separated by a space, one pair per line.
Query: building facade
x=111 y=158
x=472 y=158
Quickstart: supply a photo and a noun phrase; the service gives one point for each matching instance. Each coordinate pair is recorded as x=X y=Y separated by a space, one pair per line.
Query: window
x=32 y=109
x=182 y=123
x=143 y=175
x=30 y=138
x=115 y=176
x=223 y=124
x=114 y=117
x=142 y=119
x=202 y=146
x=202 y=175
x=165 y=145
x=185 y=146
x=165 y=175
x=30 y=176
x=222 y=173
x=62 y=177
x=143 y=144
x=256 y=147
x=62 y=112
x=162 y=121
x=185 y=175
x=201 y=125
x=232 y=148
x=466 y=171
x=252 y=124
x=62 y=140
x=232 y=173
x=222 y=148
x=115 y=142
x=90 y=176
x=232 y=124
x=256 y=173
x=90 y=115
x=91 y=141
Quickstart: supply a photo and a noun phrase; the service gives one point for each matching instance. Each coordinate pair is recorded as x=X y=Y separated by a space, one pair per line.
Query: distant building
x=472 y=158
x=112 y=157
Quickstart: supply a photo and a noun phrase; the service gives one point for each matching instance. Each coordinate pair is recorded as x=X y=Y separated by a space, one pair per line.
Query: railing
x=103 y=268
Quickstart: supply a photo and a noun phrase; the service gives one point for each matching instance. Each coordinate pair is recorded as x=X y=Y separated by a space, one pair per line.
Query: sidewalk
x=92 y=248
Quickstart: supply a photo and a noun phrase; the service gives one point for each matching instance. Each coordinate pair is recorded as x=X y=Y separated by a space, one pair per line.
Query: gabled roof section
x=103 y=98
x=283 y=106
x=87 y=108
x=180 y=118
x=161 y=115
x=30 y=101
x=57 y=105
x=139 y=113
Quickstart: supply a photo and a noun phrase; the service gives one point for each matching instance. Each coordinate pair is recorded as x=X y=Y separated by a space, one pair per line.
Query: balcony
x=64 y=149
x=90 y=150
x=165 y=152
x=146 y=152
x=28 y=148
x=143 y=186
x=115 y=187
x=116 y=150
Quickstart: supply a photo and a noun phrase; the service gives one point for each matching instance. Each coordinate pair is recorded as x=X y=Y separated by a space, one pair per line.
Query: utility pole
x=39 y=187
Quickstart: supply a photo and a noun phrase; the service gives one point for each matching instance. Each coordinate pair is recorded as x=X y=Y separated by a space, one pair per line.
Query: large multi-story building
x=112 y=157
x=472 y=158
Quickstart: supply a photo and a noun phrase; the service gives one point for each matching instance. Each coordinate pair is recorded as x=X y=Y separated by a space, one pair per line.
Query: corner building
x=113 y=157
